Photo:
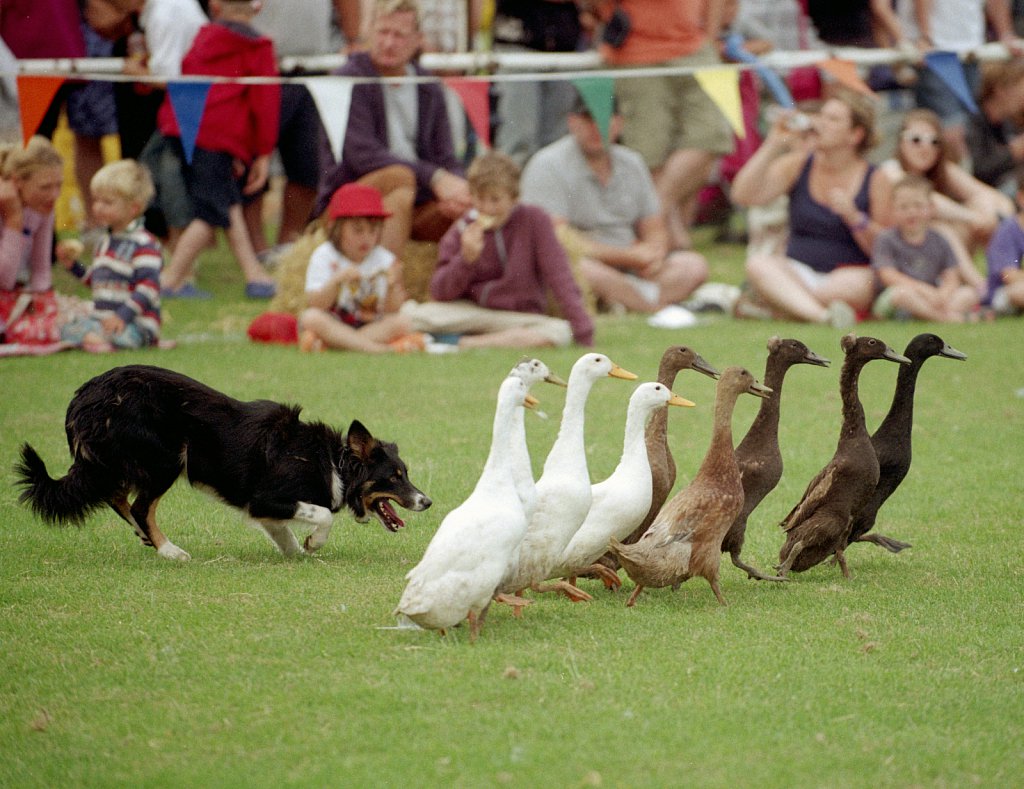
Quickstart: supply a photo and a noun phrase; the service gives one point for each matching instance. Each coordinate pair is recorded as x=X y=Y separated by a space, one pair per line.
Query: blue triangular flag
x=950 y=70
x=598 y=94
x=188 y=100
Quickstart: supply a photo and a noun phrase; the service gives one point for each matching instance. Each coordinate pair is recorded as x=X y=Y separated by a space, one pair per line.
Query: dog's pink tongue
x=392 y=516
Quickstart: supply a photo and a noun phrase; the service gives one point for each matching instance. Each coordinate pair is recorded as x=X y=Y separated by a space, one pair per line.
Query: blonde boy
x=915 y=265
x=125 y=271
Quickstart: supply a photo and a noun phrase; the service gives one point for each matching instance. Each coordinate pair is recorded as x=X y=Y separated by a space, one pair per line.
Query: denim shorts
x=128 y=338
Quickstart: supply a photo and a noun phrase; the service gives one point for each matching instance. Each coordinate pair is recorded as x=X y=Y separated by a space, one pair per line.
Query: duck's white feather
x=563 y=490
x=473 y=546
x=620 y=502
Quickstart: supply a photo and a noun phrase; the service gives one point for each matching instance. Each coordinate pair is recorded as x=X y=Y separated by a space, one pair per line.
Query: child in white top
x=353 y=284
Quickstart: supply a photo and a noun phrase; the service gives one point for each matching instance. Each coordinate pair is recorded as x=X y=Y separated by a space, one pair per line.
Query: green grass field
x=241 y=668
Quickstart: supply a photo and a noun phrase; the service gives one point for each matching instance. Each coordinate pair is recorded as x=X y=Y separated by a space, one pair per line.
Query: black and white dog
x=136 y=429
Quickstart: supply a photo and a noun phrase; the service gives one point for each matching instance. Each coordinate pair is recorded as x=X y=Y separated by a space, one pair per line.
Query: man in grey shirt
x=605 y=192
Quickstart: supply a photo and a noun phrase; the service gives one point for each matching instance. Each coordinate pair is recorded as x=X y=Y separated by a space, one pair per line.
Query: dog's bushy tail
x=61 y=501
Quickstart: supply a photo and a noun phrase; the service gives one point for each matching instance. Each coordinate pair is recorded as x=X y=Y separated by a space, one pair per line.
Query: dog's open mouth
x=386 y=514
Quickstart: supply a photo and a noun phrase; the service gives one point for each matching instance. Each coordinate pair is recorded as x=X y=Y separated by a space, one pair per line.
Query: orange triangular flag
x=845 y=72
x=35 y=94
x=473 y=93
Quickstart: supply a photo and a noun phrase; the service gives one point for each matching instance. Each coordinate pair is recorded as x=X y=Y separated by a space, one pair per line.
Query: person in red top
x=669 y=119
x=237 y=134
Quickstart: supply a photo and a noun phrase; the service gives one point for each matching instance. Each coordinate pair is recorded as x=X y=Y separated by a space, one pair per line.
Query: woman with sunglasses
x=838 y=203
x=962 y=202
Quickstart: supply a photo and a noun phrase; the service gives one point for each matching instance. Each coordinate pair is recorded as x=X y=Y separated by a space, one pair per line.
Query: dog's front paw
x=314 y=542
x=171 y=551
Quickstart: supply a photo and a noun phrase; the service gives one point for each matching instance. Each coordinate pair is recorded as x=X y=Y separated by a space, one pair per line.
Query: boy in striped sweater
x=125 y=271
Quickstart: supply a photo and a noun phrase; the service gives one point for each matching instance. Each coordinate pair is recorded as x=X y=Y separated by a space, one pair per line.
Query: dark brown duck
x=819 y=525
x=758 y=454
x=892 y=439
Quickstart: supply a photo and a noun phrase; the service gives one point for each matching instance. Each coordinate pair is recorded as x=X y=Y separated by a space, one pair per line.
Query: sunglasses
x=917 y=139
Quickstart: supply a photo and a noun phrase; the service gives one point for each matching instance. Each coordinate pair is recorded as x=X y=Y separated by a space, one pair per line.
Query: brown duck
x=663 y=468
x=758 y=454
x=819 y=525
x=892 y=439
x=685 y=539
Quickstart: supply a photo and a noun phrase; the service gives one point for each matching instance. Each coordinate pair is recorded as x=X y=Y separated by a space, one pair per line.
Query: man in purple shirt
x=398 y=138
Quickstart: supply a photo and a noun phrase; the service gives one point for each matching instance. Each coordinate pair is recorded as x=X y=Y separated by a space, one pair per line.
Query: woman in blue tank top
x=838 y=202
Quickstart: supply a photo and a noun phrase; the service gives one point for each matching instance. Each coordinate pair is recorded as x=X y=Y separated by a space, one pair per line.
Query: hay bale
x=291 y=272
x=419 y=259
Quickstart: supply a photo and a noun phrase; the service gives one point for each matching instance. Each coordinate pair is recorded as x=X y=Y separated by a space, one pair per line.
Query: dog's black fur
x=136 y=429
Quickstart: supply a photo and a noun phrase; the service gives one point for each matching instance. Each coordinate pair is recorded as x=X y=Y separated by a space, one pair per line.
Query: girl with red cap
x=353 y=284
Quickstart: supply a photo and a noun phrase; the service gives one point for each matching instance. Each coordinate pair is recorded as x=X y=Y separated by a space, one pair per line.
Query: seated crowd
x=596 y=220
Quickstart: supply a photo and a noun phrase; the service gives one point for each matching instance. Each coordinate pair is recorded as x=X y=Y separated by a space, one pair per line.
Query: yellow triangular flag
x=722 y=84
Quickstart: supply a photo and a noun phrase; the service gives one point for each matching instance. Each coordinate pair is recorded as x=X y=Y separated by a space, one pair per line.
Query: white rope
x=524 y=66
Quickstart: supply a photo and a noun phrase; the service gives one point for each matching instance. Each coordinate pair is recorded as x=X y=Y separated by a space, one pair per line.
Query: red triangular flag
x=474 y=96
x=35 y=94
x=845 y=72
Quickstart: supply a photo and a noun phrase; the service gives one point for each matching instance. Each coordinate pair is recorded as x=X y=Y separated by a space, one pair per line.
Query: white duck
x=620 y=502
x=530 y=371
x=471 y=550
x=563 y=490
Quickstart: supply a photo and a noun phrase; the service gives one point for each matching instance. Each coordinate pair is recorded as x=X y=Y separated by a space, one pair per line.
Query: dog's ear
x=360 y=442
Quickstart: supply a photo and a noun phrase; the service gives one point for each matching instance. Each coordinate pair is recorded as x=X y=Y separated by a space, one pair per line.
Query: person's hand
x=841 y=202
x=258 y=174
x=649 y=258
x=452 y=192
x=346 y=275
x=10 y=204
x=68 y=251
x=112 y=324
x=472 y=241
x=1012 y=275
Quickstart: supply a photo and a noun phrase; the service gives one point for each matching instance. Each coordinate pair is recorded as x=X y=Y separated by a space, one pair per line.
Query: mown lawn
x=241 y=668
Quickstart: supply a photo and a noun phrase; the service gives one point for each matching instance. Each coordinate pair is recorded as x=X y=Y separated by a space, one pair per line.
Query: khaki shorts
x=671 y=113
x=465 y=317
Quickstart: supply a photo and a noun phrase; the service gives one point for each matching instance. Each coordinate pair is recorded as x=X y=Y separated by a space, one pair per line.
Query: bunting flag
x=333 y=98
x=776 y=86
x=188 y=100
x=845 y=73
x=598 y=94
x=948 y=68
x=473 y=93
x=722 y=85
x=35 y=94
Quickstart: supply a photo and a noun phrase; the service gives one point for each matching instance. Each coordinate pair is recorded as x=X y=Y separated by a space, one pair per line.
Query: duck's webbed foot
x=603 y=573
x=574 y=593
x=783 y=568
x=518 y=603
x=891 y=545
x=752 y=572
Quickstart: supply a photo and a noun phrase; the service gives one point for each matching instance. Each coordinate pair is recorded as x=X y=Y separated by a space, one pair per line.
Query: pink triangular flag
x=473 y=93
x=333 y=98
x=35 y=94
x=845 y=72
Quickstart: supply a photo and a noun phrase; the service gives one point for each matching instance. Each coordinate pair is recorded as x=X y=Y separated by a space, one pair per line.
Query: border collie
x=136 y=429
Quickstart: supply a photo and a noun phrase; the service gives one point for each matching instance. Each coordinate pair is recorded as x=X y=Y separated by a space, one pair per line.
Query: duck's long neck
x=853 y=411
x=499 y=458
x=901 y=412
x=657 y=425
x=633 y=443
x=767 y=420
x=721 y=434
x=569 y=444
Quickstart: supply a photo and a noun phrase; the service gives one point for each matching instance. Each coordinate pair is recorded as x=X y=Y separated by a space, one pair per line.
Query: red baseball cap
x=357 y=200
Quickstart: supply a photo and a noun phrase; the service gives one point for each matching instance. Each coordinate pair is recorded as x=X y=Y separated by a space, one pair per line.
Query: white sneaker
x=841 y=315
x=672 y=317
